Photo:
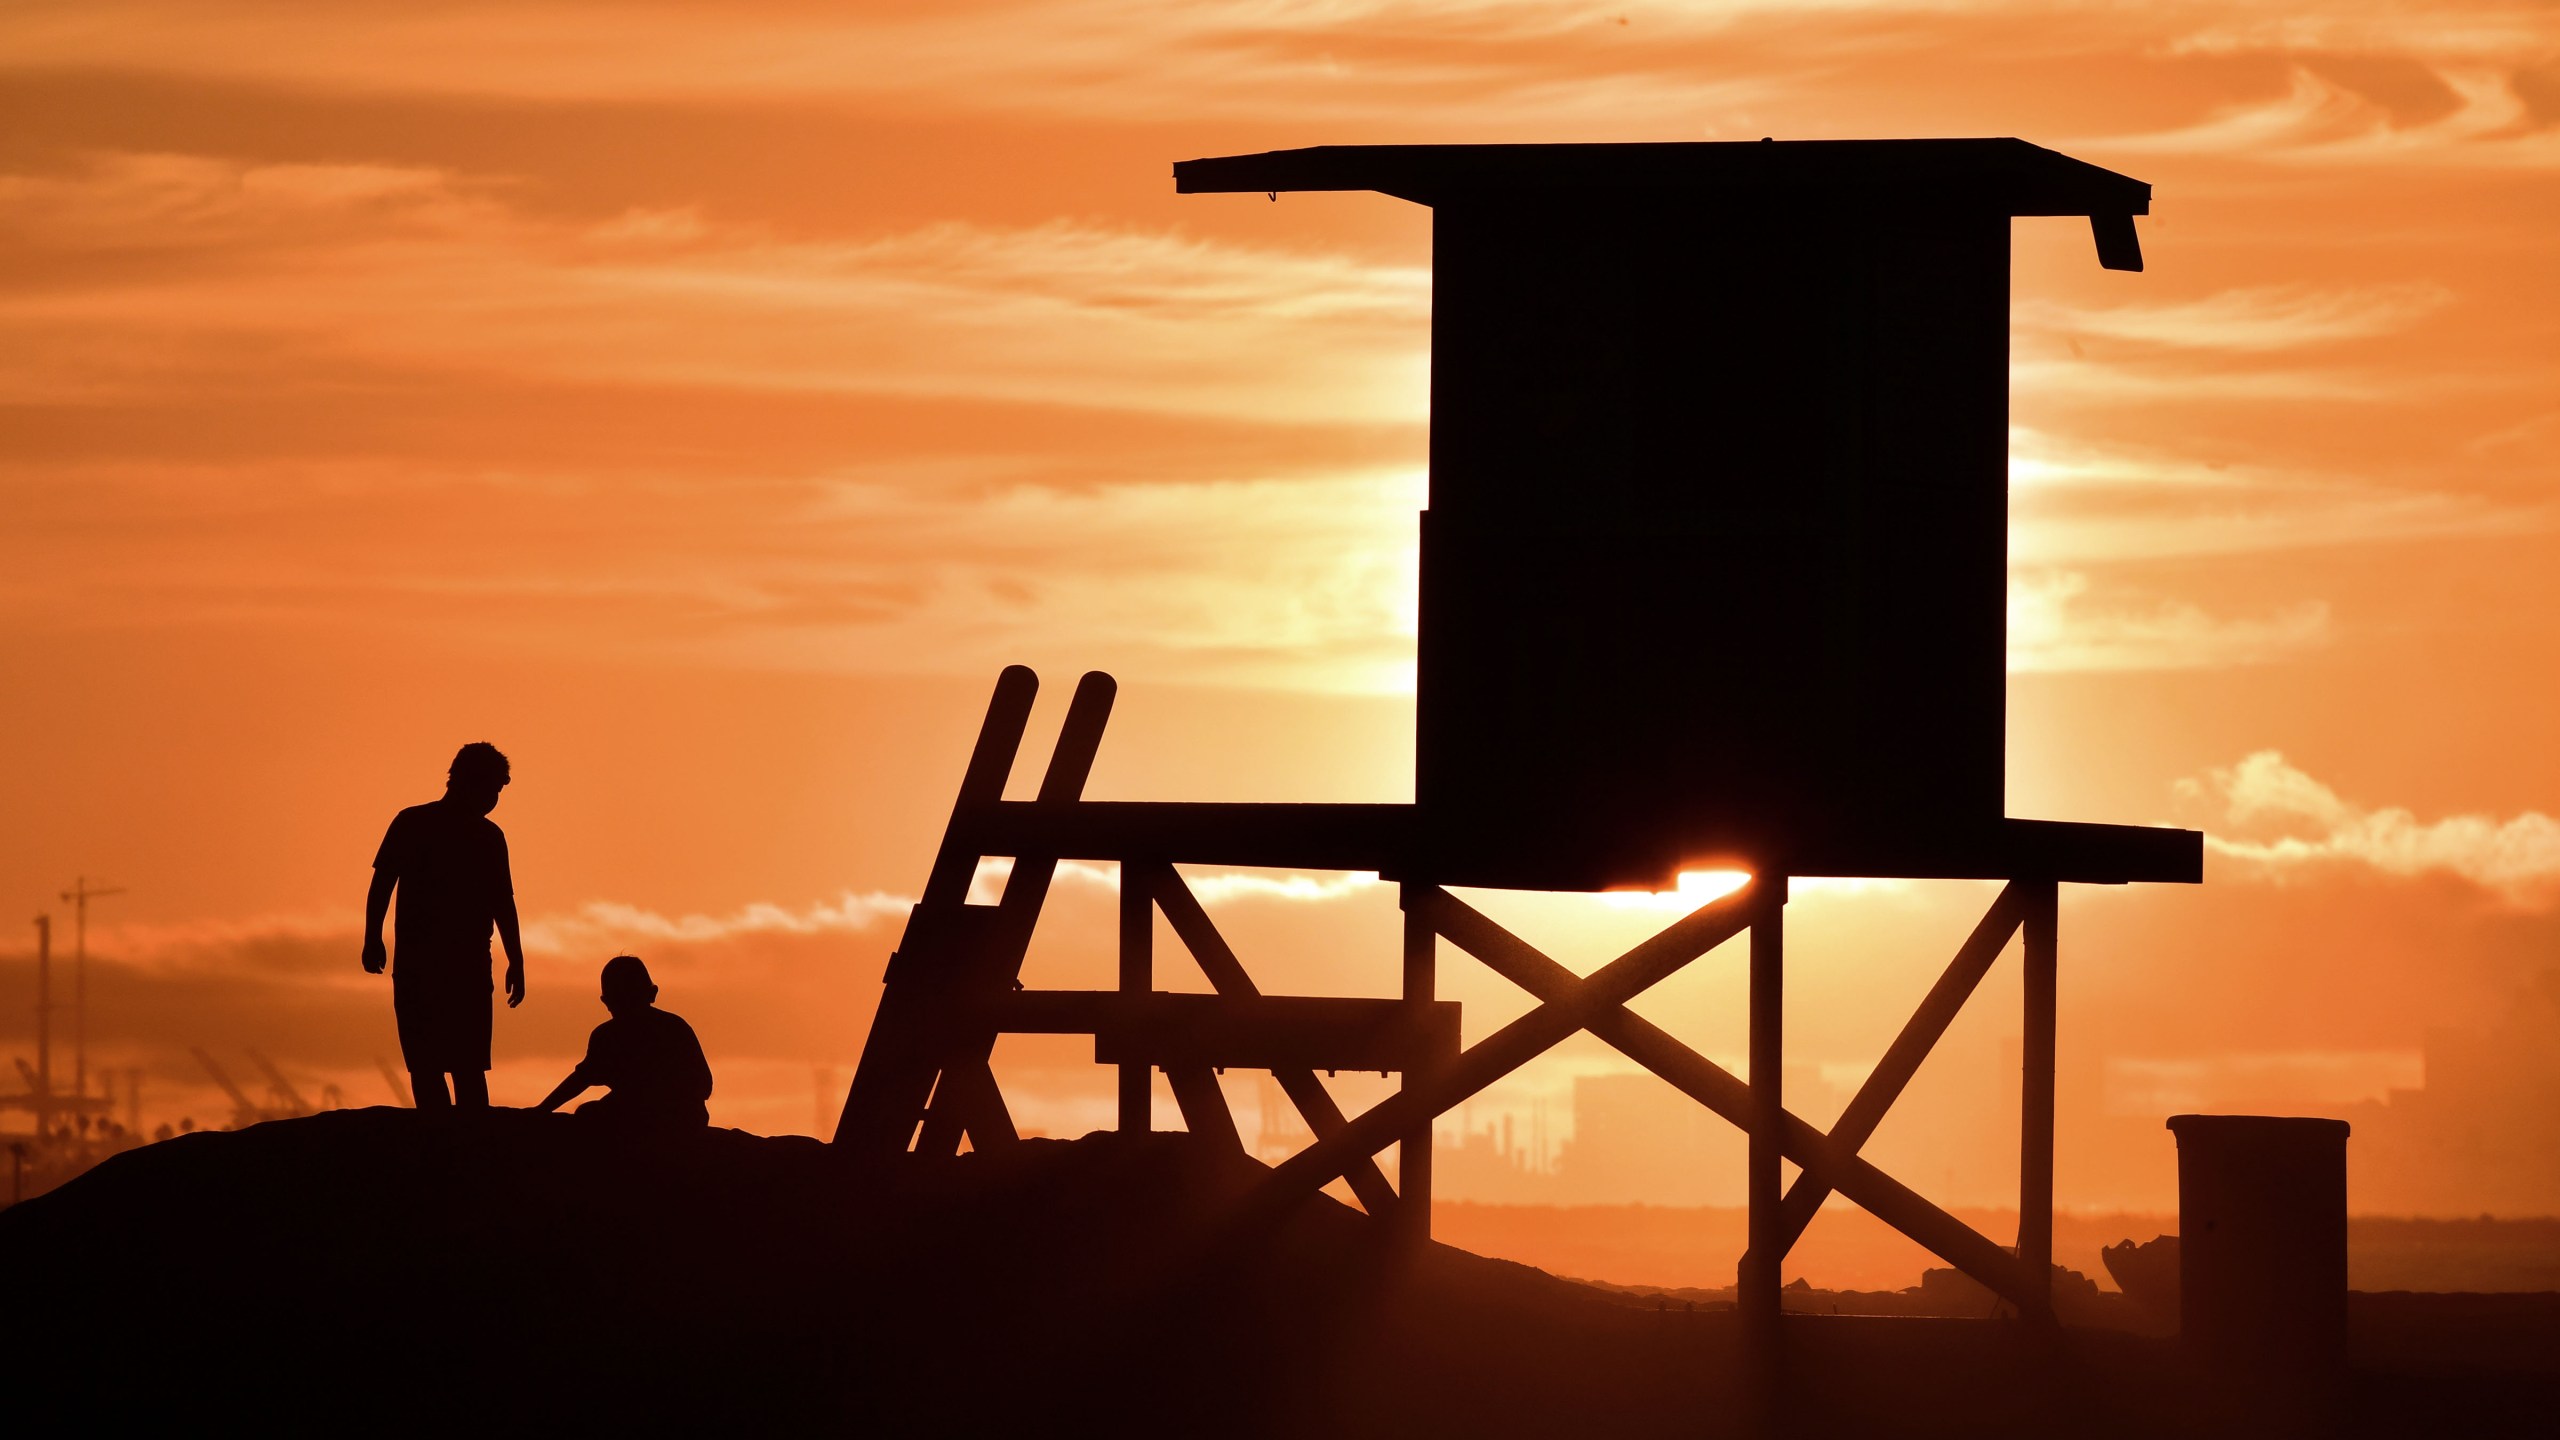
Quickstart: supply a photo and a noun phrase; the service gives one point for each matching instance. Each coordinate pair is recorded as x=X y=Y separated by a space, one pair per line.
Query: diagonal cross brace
x=1721 y=1091
x=1204 y=1105
x=1227 y=976
x=1884 y=1084
x=1575 y=1003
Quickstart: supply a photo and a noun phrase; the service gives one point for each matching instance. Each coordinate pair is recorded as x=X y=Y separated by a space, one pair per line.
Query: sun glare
x=1692 y=889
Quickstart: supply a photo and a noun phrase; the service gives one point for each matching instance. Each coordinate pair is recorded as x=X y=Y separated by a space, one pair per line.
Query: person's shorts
x=443 y=1005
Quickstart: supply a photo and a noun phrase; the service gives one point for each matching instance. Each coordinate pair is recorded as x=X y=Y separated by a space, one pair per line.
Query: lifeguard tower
x=1713 y=575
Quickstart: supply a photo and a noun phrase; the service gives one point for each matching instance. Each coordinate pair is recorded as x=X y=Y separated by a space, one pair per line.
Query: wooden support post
x=1756 y=1285
x=1413 y=1151
x=1137 y=976
x=2035 y=1108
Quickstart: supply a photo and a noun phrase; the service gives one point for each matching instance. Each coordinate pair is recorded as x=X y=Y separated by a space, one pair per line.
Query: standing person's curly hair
x=478 y=763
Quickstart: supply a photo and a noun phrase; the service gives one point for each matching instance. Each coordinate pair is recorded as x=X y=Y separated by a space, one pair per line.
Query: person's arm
x=507 y=931
x=700 y=1089
x=377 y=902
x=508 y=936
x=389 y=859
x=567 y=1090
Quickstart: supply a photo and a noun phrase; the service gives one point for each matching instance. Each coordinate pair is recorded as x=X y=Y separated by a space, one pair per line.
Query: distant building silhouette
x=2482 y=1134
x=1504 y=1162
x=1635 y=1140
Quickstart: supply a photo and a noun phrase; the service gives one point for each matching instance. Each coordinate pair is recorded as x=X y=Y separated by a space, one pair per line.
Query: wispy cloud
x=2251 y=319
x=579 y=929
x=1306 y=582
x=2138 y=528
x=595 y=924
x=2466 y=30
x=259 y=282
x=606 y=923
x=2059 y=622
x=2076 y=503
x=1330 y=59
x=1552 y=63
x=2319 y=121
x=1301 y=581
x=302 y=269
x=2288 y=821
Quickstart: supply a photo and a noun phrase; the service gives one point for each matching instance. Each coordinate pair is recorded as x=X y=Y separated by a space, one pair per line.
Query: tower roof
x=2008 y=175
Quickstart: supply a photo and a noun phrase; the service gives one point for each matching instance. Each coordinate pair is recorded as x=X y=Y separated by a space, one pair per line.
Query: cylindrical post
x=2039 y=941
x=1756 y=1290
x=2262 y=1245
x=1137 y=977
x=1413 y=1151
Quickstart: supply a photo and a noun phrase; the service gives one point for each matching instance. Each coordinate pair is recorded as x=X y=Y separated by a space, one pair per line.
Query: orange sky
x=703 y=404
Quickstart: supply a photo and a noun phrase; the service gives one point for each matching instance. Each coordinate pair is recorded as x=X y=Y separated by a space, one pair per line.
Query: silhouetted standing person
x=647 y=1057
x=448 y=861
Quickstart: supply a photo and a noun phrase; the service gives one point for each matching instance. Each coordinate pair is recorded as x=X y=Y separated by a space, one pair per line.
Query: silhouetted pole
x=1137 y=977
x=44 y=1024
x=78 y=897
x=1756 y=1288
x=2035 y=1107
x=1412 y=1217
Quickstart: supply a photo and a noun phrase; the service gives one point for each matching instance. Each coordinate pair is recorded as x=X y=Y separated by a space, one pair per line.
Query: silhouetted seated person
x=647 y=1059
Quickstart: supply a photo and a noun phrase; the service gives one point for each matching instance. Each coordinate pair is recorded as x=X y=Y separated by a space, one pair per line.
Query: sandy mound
x=365 y=1269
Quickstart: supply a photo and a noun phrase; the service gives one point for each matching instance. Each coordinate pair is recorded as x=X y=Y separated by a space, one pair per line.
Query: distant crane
x=392 y=1077
x=39 y=1098
x=287 y=1100
x=243 y=1113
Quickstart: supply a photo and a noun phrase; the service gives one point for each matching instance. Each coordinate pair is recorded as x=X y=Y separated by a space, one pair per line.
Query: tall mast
x=44 y=1024
x=78 y=897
